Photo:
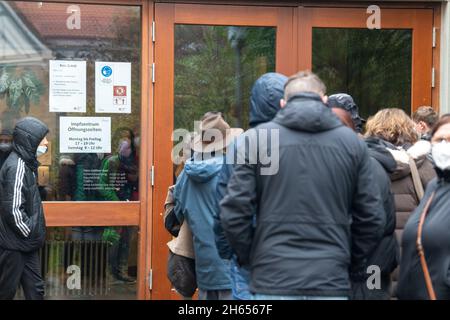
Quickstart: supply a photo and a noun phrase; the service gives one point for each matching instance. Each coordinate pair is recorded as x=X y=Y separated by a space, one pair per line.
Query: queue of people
x=313 y=202
x=352 y=209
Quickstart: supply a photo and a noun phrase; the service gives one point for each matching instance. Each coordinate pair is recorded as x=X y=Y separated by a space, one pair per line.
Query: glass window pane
x=33 y=33
x=89 y=263
x=215 y=68
x=374 y=66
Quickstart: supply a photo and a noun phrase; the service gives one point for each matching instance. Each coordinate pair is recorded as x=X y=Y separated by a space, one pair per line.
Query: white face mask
x=41 y=150
x=441 y=155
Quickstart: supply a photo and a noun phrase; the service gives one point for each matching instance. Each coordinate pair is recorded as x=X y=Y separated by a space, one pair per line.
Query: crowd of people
x=313 y=202
x=355 y=209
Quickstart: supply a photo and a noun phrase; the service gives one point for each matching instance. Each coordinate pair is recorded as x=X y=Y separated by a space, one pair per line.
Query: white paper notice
x=67 y=86
x=85 y=134
x=113 y=87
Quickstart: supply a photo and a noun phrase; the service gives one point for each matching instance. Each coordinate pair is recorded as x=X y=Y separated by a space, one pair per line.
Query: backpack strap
x=418 y=187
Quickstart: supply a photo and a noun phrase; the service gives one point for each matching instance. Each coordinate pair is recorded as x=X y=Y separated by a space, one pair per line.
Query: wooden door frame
x=73 y=214
x=419 y=20
x=166 y=16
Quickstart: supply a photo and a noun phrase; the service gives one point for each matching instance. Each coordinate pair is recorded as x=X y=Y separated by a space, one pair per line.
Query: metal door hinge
x=150 y=279
x=432 y=77
x=153 y=72
x=152 y=175
x=434 y=37
x=153 y=31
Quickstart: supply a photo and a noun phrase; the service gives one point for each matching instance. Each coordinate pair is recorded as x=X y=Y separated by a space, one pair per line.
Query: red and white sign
x=113 y=95
x=120 y=95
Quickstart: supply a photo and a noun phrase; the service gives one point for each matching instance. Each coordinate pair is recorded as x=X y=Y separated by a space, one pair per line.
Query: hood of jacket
x=307 y=112
x=418 y=152
x=203 y=170
x=28 y=134
x=378 y=151
x=265 y=98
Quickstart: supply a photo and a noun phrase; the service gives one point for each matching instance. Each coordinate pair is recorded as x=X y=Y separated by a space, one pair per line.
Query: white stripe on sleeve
x=17 y=199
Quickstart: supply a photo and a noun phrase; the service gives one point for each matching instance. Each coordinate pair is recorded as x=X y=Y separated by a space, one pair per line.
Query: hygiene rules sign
x=67 y=86
x=112 y=87
x=85 y=134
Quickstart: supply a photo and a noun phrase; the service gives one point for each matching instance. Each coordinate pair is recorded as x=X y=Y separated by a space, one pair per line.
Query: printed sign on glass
x=67 y=86
x=85 y=134
x=113 y=87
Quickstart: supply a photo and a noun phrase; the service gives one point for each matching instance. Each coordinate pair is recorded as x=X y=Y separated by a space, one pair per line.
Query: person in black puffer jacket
x=22 y=222
x=386 y=254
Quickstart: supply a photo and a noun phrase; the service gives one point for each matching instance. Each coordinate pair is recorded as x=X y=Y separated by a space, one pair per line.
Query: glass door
x=54 y=58
x=206 y=59
x=381 y=68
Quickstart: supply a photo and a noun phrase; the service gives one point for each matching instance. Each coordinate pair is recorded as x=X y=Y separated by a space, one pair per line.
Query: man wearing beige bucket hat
x=196 y=201
x=214 y=134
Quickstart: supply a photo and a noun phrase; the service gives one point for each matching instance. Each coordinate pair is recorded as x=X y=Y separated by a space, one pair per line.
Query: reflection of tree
x=374 y=66
x=215 y=68
x=21 y=88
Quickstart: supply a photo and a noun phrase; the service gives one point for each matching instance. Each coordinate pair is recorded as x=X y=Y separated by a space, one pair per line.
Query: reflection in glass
x=98 y=263
x=33 y=33
x=215 y=67
x=374 y=66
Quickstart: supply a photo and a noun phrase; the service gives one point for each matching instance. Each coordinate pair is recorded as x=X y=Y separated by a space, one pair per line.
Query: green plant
x=21 y=88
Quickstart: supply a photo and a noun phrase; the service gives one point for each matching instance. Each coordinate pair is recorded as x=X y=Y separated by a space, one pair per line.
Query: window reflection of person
x=84 y=164
x=67 y=177
x=6 y=140
x=119 y=182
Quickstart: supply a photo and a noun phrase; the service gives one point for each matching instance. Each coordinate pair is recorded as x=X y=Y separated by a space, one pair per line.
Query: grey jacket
x=318 y=219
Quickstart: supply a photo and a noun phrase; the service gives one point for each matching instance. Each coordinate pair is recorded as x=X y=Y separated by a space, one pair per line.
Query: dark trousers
x=20 y=268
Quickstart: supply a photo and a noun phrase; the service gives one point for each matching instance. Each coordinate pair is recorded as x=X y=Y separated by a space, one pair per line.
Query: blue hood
x=267 y=92
x=203 y=170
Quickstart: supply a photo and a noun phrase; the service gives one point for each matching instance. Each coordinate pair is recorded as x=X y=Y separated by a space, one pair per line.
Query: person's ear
x=325 y=99
x=282 y=103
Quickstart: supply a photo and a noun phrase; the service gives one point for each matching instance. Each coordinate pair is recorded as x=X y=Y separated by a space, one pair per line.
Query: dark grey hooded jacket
x=22 y=222
x=265 y=98
x=318 y=218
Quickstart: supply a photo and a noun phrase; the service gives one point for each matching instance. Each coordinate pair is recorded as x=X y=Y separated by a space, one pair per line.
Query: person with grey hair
x=318 y=217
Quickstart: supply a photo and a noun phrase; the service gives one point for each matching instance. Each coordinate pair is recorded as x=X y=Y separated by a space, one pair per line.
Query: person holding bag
x=425 y=263
x=181 y=264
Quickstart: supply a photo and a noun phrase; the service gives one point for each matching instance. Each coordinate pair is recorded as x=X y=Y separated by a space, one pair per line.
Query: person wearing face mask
x=424 y=267
x=393 y=130
x=5 y=145
x=22 y=221
x=119 y=182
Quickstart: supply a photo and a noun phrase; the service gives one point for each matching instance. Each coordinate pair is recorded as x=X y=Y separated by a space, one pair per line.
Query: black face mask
x=5 y=147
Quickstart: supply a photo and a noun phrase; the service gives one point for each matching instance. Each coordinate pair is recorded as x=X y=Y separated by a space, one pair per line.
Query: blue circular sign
x=106 y=71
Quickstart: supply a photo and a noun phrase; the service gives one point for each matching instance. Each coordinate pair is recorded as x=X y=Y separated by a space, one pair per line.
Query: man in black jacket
x=385 y=257
x=22 y=222
x=318 y=218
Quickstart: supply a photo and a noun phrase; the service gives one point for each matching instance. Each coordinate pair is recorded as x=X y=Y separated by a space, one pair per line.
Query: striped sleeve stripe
x=17 y=199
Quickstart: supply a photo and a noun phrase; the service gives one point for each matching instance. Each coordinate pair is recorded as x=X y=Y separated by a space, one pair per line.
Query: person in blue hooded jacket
x=196 y=201
x=266 y=95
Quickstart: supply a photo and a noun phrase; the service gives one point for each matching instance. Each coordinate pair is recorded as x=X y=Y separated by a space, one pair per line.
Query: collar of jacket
x=443 y=175
x=307 y=112
x=378 y=151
